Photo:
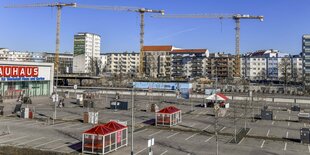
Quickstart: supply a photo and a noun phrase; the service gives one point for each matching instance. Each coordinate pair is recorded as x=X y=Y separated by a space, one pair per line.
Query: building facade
x=86 y=53
x=220 y=65
x=306 y=59
x=29 y=78
x=123 y=63
x=65 y=61
x=157 y=61
x=188 y=63
x=271 y=65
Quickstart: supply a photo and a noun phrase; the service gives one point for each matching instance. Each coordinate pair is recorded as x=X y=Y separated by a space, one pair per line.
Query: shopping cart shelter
x=105 y=138
x=168 y=116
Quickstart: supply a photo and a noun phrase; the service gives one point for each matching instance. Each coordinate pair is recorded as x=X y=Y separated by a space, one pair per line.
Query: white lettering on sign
x=19 y=71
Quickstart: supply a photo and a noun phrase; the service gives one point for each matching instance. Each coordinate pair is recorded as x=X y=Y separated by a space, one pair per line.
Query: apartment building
x=306 y=59
x=65 y=61
x=7 y=55
x=188 y=63
x=86 y=53
x=271 y=65
x=157 y=61
x=122 y=63
x=220 y=65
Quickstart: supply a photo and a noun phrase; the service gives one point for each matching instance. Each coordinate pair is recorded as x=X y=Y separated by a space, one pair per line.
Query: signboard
x=24 y=73
x=150 y=142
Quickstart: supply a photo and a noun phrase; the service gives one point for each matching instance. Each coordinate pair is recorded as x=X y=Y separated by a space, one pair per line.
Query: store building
x=29 y=78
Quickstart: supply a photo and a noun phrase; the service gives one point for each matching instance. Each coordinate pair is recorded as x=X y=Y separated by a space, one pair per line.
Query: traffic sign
x=75 y=86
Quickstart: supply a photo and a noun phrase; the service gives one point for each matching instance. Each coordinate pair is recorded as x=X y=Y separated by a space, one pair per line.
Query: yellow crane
x=141 y=11
x=59 y=8
x=236 y=17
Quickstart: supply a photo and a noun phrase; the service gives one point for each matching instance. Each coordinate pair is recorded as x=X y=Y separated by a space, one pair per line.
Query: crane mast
x=235 y=17
x=142 y=12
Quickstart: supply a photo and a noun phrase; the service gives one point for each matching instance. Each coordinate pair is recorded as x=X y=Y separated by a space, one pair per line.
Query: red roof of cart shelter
x=99 y=130
x=105 y=129
x=169 y=110
x=114 y=126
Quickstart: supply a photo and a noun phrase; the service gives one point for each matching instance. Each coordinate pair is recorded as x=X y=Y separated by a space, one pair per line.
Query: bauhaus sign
x=19 y=71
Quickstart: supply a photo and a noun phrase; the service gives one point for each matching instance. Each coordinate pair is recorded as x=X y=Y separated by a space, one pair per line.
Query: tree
x=285 y=70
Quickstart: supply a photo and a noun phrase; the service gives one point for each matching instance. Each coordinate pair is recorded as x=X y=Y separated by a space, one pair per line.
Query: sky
x=33 y=29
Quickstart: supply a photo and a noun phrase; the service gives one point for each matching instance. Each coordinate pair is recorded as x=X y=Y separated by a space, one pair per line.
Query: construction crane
x=141 y=11
x=59 y=8
x=235 y=17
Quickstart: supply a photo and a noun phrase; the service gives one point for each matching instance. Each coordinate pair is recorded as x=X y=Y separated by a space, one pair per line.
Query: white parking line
x=288 y=123
x=193 y=125
x=289 y=118
x=13 y=139
x=140 y=151
x=309 y=148
x=206 y=127
x=60 y=124
x=173 y=134
x=30 y=141
x=140 y=131
x=71 y=126
x=268 y=132
x=272 y=122
x=304 y=124
x=275 y=117
x=83 y=127
x=262 y=144
x=156 y=133
x=241 y=140
x=286 y=134
x=191 y=136
x=209 y=138
x=223 y=128
x=164 y=152
x=65 y=145
x=47 y=143
x=285 y=146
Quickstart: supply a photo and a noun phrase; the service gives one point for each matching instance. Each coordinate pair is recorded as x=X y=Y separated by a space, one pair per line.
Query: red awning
x=169 y=110
x=105 y=129
x=219 y=97
x=222 y=96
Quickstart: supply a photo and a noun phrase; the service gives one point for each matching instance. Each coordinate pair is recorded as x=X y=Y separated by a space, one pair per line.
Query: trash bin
x=305 y=135
x=266 y=114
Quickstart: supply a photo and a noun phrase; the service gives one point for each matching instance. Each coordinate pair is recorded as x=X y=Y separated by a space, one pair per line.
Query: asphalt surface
x=195 y=135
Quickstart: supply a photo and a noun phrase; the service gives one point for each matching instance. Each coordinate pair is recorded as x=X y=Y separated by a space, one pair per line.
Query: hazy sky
x=33 y=29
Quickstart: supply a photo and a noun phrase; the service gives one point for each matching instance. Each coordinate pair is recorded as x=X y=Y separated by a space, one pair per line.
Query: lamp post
x=132 y=117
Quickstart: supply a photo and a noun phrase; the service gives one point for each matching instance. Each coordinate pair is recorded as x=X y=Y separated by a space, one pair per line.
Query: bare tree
x=95 y=65
x=285 y=69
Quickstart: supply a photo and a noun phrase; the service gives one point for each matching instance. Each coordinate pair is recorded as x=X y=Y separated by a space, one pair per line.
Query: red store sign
x=19 y=71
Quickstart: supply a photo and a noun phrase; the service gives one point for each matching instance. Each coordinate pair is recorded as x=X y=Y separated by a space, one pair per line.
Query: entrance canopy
x=218 y=97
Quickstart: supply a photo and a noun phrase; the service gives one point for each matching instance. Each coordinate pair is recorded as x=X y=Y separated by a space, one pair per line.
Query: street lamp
x=132 y=117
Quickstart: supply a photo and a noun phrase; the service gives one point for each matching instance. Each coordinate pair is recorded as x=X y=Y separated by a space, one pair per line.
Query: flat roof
x=26 y=63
